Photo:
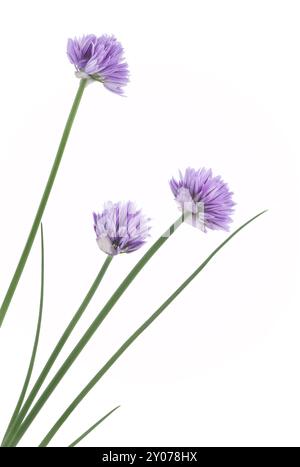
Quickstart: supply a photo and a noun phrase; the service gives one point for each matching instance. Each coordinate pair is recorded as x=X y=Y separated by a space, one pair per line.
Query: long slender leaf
x=35 y=344
x=135 y=335
x=87 y=432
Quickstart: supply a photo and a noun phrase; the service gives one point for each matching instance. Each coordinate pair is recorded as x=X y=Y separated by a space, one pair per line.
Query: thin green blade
x=135 y=335
x=35 y=345
x=87 y=432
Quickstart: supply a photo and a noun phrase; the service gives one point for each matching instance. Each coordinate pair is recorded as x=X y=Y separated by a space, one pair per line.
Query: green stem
x=38 y=217
x=133 y=337
x=49 y=364
x=91 y=330
x=35 y=345
x=87 y=432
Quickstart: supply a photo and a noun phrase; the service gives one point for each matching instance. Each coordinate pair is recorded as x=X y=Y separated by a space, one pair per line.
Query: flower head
x=205 y=198
x=99 y=58
x=120 y=228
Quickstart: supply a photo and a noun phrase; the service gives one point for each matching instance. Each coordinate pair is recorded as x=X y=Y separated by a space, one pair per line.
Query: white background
x=215 y=84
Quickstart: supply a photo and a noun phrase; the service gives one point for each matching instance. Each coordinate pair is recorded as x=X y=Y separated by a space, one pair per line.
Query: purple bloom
x=99 y=58
x=120 y=228
x=205 y=199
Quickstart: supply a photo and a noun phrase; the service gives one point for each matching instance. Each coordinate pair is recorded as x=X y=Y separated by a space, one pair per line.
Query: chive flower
x=205 y=199
x=100 y=59
x=120 y=228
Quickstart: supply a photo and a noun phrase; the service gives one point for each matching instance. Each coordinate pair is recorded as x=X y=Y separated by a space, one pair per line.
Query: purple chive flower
x=99 y=58
x=205 y=199
x=120 y=228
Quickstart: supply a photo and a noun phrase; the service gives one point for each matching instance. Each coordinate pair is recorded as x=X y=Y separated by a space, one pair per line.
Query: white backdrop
x=213 y=84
